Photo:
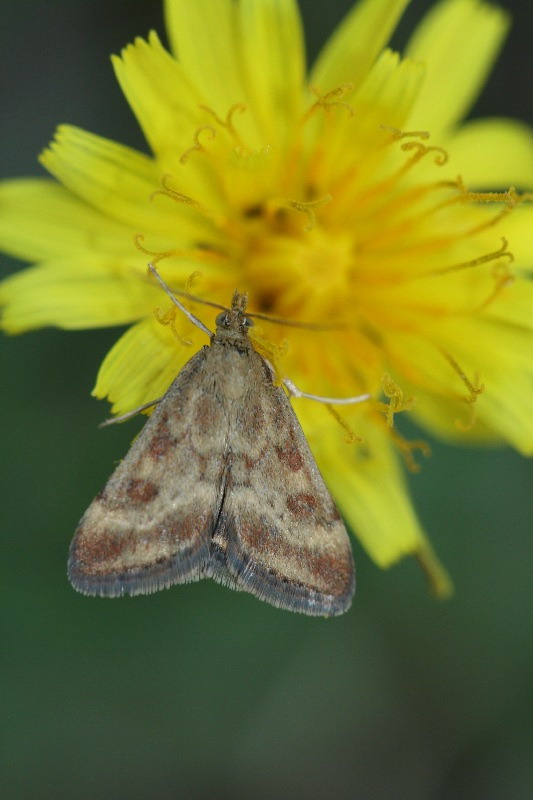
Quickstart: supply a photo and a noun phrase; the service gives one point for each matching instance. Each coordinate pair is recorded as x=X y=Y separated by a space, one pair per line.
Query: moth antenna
x=130 y=414
x=166 y=288
x=196 y=299
x=309 y=326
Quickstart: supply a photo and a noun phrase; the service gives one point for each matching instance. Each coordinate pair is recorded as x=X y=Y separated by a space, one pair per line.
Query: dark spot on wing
x=141 y=491
x=302 y=504
x=161 y=443
x=289 y=453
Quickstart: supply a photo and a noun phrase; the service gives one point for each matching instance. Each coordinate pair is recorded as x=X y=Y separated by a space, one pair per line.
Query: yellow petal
x=368 y=485
x=493 y=154
x=505 y=363
x=489 y=353
x=514 y=306
x=164 y=99
x=249 y=53
x=356 y=44
x=40 y=219
x=144 y=362
x=385 y=98
x=182 y=126
x=459 y=41
x=116 y=180
x=517 y=229
x=110 y=176
x=389 y=90
x=75 y=292
x=273 y=64
x=207 y=46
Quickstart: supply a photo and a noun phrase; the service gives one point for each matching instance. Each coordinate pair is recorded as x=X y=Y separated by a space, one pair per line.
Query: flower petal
x=247 y=52
x=356 y=43
x=514 y=306
x=118 y=181
x=385 y=98
x=485 y=351
x=517 y=229
x=459 y=41
x=504 y=355
x=207 y=47
x=163 y=98
x=273 y=64
x=75 y=292
x=368 y=485
x=41 y=219
x=493 y=154
x=113 y=178
x=143 y=363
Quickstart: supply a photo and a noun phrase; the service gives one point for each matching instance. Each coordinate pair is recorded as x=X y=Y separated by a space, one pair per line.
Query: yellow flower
x=351 y=198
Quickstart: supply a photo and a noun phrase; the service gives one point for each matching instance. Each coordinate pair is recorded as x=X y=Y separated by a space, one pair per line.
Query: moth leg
x=341 y=401
x=130 y=414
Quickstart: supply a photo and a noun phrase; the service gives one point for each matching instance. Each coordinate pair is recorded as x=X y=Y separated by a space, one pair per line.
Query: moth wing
x=279 y=534
x=151 y=525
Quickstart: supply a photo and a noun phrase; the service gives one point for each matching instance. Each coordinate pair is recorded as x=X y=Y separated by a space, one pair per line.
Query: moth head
x=233 y=319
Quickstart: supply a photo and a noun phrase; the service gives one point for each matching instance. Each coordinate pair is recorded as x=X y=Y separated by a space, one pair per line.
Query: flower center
x=344 y=222
x=300 y=274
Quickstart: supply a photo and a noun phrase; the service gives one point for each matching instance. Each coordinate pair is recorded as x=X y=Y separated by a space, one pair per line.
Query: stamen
x=168 y=318
x=167 y=290
x=191 y=280
x=382 y=189
x=473 y=391
x=309 y=209
x=155 y=257
x=168 y=191
x=351 y=437
x=510 y=198
x=330 y=100
x=221 y=223
x=474 y=262
x=421 y=151
x=466 y=425
x=407 y=449
x=198 y=253
x=228 y=122
x=503 y=278
x=396 y=133
x=397 y=400
x=198 y=146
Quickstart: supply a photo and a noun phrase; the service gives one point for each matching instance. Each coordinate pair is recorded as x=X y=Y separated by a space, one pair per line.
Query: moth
x=221 y=484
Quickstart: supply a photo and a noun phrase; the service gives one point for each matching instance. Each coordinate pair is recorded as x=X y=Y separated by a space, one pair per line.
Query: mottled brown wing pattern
x=220 y=483
x=151 y=525
x=279 y=534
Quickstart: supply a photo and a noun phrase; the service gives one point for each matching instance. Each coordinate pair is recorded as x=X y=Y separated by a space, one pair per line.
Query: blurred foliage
x=200 y=691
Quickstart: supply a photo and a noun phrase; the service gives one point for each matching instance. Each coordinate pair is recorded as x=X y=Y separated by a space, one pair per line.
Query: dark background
x=201 y=691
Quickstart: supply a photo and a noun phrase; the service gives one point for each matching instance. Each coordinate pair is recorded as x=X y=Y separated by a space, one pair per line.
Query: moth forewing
x=220 y=483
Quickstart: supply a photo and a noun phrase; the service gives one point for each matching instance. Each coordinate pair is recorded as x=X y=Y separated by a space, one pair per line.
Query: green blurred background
x=201 y=691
